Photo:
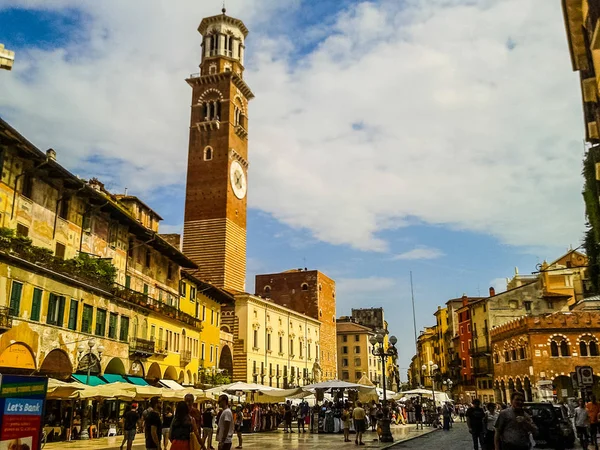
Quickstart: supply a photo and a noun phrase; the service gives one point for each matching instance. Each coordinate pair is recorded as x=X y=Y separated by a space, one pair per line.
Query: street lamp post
x=88 y=367
x=432 y=368
x=448 y=383
x=379 y=351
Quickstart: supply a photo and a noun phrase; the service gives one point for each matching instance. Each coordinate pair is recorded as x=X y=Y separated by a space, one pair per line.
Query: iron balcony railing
x=142 y=347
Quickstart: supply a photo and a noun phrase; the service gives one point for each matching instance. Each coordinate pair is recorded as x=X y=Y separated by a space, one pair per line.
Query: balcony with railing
x=145 y=301
x=160 y=347
x=141 y=347
x=185 y=357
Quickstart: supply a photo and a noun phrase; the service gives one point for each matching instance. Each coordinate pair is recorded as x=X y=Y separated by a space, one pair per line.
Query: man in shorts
x=359 y=416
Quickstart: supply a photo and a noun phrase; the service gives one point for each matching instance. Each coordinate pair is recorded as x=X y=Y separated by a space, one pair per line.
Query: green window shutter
x=86 y=319
x=73 y=315
x=100 y=322
x=51 y=313
x=127 y=281
x=124 y=333
x=15 y=298
x=36 y=304
x=61 y=311
x=112 y=326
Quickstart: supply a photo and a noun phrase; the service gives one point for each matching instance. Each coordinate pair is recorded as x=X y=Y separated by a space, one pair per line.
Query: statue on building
x=317 y=372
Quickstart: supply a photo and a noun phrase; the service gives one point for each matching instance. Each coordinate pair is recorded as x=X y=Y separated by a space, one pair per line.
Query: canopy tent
x=136 y=380
x=172 y=395
x=114 y=391
x=281 y=395
x=440 y=397
x=60 y=390
x=337 y=384
x=238 y=387
x=364 y=380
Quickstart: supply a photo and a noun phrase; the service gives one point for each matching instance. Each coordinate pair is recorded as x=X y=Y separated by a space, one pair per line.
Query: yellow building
x=82 y=267
x=354 y=353
x=273 y=345
x=204 y=301
x=442 y=322
x=426 y=346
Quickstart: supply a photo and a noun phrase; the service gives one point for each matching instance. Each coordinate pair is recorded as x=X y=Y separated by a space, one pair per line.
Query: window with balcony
x=22 y=230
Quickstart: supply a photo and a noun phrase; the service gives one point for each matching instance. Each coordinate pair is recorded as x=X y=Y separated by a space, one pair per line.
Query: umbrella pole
x=72 y=416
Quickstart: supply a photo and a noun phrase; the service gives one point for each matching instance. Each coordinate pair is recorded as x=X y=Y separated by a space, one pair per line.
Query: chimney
x=465 y=300
x=50 y=154
x=492 y=291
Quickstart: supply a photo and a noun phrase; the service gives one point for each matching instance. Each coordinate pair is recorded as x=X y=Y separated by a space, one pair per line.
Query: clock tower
x=214 y=234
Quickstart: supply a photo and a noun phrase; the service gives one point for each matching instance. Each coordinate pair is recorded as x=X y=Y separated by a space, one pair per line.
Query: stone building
x=273 y=345
x=61 y=235
x=312 y=293
x=536 y=354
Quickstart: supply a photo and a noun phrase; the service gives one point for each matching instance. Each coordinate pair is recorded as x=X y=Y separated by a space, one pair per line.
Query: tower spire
x=224 y=10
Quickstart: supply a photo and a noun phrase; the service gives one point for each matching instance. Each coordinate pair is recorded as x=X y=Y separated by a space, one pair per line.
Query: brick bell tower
x=214 y=234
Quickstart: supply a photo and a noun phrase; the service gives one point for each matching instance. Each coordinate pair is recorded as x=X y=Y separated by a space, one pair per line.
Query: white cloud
x=420 y=253
x=403 y=110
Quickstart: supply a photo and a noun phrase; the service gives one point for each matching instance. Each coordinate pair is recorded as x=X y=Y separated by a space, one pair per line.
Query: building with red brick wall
x=464 y=341
x=312 y=293
x=536 y=354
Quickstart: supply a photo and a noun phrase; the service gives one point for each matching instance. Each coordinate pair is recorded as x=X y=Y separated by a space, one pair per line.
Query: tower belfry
x=214 y=233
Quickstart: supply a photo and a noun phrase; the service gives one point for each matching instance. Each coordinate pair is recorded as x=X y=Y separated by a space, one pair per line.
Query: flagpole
x=412 y=294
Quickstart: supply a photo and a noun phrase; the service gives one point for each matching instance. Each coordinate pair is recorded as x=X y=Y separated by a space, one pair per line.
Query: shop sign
x=22 y=401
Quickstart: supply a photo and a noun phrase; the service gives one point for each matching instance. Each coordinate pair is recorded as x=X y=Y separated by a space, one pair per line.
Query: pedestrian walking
x=491 y=416
x=207 y=426
x=461 y=412
x=593 y=409
x=287 y=420
x=225 y=426
x=582 y=423
x=514 y=426
x=130 y=420
x=475 y=421
x=239 y=420
x=418 y=414
x=166 y=426
x=359 y=416
x=183 y=429
x=373 y=415
x=447 y=416
x=152 y=426
x=346 y=424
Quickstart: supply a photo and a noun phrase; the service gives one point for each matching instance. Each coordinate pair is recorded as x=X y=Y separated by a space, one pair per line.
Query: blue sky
x=384 y=138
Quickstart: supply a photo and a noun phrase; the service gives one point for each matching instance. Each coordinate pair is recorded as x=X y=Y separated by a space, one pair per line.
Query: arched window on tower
x=506 y=356
x=521 y=352
x=229 y=45
x=564 y=348
x=304 y=286
x=553 y=349
x=214 y=44
x=208 y=154
x=583 y=348
x=593 y=346
x=212 y=110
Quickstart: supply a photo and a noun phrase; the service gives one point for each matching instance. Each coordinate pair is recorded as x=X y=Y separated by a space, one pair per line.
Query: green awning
x=138 y=381
x=94 y=380
x=113 y=378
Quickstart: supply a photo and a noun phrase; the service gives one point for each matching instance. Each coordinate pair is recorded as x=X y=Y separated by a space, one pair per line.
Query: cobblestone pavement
x=263 y=441
x=458 y=438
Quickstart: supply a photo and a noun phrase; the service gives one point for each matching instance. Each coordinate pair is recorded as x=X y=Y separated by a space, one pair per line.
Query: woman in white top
x=582 y=422
x=491 y=416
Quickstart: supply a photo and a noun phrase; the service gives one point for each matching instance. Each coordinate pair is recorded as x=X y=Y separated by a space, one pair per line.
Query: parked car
x=555 y=429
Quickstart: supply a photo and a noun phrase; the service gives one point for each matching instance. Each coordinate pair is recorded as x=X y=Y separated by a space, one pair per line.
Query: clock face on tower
x=237 y=177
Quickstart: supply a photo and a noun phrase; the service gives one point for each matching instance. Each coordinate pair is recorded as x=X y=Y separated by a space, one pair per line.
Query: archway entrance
x=17 y=358
x=115 y=366
x=56 y=364
x=171 y=373
x=226 y=361
x=154 y=373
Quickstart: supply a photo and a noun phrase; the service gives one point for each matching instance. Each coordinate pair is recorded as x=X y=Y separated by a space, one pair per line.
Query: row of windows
x=56 y=309
x=291 y=347
x=356 y=350
x=346 y=375
x=107 y=324
x=279 y=373
x=356 y=338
